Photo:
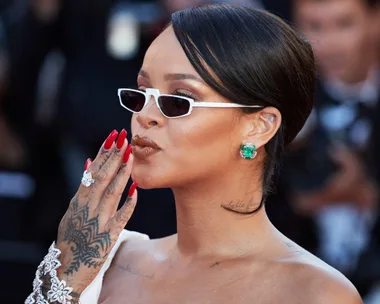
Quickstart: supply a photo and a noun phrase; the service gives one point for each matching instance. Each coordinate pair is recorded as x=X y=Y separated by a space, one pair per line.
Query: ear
x=262 y=126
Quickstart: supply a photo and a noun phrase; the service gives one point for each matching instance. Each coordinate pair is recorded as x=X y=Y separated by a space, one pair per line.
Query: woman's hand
x=92 y=223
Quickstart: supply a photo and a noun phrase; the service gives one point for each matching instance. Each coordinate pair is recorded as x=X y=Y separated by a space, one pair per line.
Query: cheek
x=133 y=123
x=195 y=147
x=191 y=134
x=200 y=146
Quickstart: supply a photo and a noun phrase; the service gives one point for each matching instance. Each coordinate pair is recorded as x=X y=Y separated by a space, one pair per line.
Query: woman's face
x=203 y=145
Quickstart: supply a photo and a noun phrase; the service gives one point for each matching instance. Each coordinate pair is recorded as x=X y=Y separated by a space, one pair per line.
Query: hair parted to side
x=251 y=57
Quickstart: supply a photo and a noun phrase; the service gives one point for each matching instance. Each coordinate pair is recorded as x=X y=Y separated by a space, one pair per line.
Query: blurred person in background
x=335 y=163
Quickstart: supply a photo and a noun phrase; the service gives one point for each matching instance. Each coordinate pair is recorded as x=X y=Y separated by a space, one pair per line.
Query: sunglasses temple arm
x=222 y=105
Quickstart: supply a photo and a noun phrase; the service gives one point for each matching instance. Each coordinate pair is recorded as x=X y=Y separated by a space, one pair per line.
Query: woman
x=240 y=85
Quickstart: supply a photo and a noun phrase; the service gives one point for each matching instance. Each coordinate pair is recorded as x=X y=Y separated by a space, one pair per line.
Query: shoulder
x=130 y=242
x=136 y=247
x=328 y=286
x=127 y=240
x=319 y=283
x=333 y=288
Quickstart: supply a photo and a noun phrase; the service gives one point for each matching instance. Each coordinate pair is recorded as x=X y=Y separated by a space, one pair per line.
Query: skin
x=343 y=36
x=217 y=256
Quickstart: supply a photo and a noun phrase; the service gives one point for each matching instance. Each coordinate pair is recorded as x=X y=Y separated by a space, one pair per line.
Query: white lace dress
x=91 y=294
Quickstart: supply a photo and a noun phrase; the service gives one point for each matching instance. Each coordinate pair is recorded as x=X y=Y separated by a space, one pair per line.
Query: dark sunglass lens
x=173 y=106
x=132 y=100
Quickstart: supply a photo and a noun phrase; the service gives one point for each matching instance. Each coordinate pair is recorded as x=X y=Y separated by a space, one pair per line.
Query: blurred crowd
x=61 y=62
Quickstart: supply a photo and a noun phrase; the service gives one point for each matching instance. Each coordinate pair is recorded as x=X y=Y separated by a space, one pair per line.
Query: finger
x=81 y=191
x=91 y=168
x=123 y=215
x=87 y=164
x=115 y=189
x=106 y=174
x=105 y=152
x=86 y=181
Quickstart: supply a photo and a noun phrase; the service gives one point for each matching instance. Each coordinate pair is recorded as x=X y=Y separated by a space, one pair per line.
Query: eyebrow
x=174 y=76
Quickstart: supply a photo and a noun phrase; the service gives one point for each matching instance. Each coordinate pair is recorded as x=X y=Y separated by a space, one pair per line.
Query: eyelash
x=184 y=94
x=176 y=92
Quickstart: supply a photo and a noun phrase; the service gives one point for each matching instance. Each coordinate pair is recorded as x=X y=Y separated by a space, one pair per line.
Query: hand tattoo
x=90 y=246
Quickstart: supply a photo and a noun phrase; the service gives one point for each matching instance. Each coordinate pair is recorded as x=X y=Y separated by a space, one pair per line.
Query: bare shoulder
x=318 y=282
x=328 y=286
x=138 y=251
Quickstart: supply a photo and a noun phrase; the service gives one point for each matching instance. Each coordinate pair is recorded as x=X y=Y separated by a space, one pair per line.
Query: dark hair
x=255 y=58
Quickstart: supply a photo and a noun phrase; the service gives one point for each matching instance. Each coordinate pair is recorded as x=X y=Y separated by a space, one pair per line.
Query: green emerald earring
x=248 y=151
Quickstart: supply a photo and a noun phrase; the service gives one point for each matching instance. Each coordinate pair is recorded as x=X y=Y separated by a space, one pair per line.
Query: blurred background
x=61 y=62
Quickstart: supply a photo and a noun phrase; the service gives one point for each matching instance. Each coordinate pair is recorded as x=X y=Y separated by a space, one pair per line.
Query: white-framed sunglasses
x=171 y=106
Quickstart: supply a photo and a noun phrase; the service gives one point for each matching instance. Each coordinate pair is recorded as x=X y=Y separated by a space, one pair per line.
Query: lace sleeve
x=47 y=287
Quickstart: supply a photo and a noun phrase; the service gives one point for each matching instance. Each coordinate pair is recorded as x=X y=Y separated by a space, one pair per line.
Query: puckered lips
x=144 y=147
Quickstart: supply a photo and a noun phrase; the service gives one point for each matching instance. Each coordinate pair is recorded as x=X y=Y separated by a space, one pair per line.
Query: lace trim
x=58 y=292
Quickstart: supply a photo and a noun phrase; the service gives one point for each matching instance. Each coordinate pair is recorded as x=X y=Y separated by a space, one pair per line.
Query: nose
x=150 y=116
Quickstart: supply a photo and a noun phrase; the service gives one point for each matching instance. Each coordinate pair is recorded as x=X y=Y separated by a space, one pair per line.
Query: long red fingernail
x=110 y=139
x=132 y=189
x=127 y=153
x=87 y=164
x=121 y=139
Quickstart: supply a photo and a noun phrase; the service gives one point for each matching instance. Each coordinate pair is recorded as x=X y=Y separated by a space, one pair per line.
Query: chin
x=155 y=177
x=145 y=178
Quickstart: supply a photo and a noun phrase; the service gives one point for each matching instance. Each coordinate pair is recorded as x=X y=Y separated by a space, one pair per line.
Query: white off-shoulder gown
x=91 y=294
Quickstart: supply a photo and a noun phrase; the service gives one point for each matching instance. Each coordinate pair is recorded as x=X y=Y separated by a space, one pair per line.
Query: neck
x=206 y=228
